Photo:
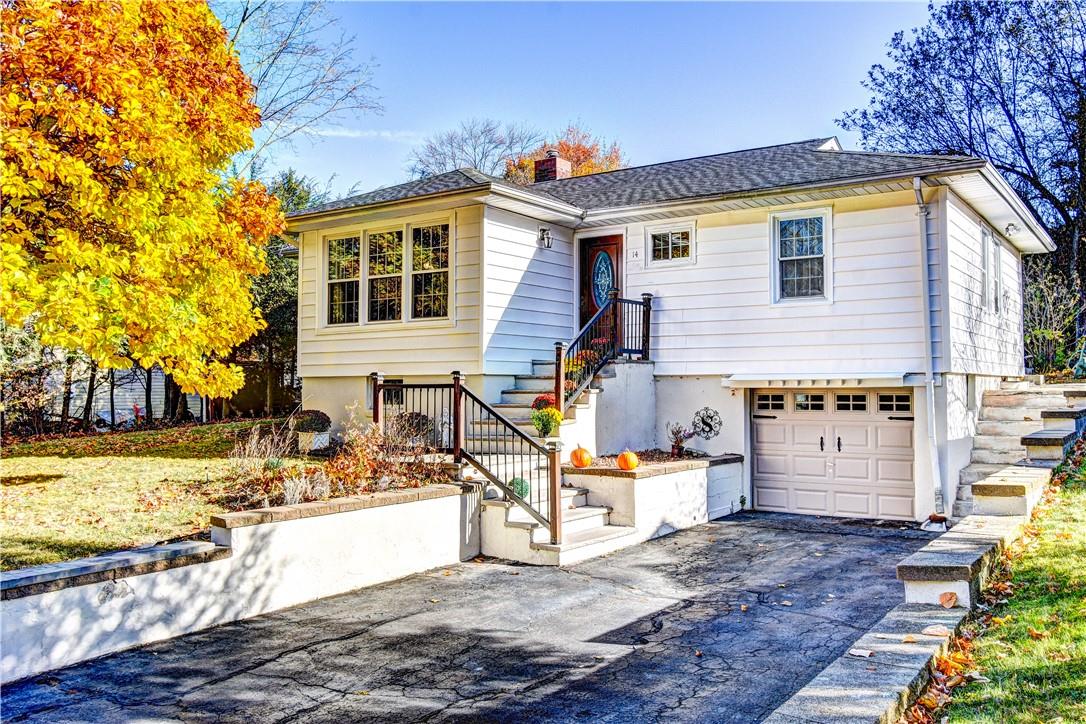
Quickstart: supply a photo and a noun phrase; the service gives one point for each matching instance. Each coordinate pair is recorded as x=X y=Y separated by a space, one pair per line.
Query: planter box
x=258 y=561
x=312 y=441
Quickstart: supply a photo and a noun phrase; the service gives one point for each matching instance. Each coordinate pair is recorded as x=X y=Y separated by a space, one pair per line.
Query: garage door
x=833 y=452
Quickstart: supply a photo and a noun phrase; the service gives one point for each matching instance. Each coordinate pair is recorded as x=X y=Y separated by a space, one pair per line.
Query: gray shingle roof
x=757 y=169
x=738 y=172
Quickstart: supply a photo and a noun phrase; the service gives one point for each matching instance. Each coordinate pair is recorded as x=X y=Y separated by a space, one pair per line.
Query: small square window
x=805 y=402
x=889 y=402
x=770 y=402
x=851 y=402
x=670 y=244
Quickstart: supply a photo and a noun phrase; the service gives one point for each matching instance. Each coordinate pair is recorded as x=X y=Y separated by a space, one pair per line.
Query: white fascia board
x=843 y=379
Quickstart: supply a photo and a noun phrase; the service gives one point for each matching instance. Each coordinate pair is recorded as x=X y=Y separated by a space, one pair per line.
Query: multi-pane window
x=770 y=402
x=805 y=402
x=801 y=257
x=891 y=402
x=851 y=402
x=670 y=245
x=430 y=271
x=343 y=267
x=384 y=275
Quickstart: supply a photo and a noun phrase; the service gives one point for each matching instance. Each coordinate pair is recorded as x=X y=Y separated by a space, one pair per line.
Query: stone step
x=574 y=520
x=1068 y=418
x=997 y=456
x=962 y=509
x=523 y=411
x=1011 y=413
x=976 y=471
x=998 y=442
x=1024 y=398
x=1016 y=385
x=585 y=544
x=1013 y=428
x=526 y=397
x=1049 y=444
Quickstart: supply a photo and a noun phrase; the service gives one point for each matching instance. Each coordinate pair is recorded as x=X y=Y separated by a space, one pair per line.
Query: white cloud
x=368 y=133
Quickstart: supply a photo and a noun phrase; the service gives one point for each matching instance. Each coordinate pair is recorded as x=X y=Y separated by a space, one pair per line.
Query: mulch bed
x=648 y=457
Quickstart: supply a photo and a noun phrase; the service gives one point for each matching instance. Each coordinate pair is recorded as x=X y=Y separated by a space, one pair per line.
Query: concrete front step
x=574 y=520
x=977 y=471
x=1067 y=418
x=1023 y=398
x=520 y=411
x=997 y=456
x=1013 y=428
x=999 y=442
x=1015 y=385
x=582 y=545
x=1032 y=414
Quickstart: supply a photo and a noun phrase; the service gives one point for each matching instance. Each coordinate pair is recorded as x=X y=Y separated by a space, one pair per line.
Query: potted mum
x=312 y=427
x=546 y=421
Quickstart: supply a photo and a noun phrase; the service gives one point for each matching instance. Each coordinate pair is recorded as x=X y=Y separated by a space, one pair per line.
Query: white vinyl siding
x=985 y=296
x=528 y=292
x=716 y=316
x=400 y=349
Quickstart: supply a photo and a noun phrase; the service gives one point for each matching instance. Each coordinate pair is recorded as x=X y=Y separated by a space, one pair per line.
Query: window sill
x=383 y=326
x=671 y=264
x=800 y=301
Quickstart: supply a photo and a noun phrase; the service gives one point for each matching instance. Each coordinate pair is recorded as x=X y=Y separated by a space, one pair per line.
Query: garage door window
x=810 y=403
x=770 y=402
x=895 y=403
x=851 y=403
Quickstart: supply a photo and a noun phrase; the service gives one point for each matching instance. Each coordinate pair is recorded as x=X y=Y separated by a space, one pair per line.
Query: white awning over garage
x=854 y=379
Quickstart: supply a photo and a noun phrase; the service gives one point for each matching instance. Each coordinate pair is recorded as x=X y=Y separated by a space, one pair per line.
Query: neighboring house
x=843 y=311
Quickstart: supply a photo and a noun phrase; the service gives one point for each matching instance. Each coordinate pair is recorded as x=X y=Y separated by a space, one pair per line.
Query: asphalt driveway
x=717 y=623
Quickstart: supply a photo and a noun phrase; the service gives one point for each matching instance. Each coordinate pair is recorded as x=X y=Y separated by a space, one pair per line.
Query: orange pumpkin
x=628 y=461
x=580 y=458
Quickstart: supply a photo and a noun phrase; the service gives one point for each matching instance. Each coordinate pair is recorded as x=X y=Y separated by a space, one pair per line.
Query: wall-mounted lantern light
x=545 y=238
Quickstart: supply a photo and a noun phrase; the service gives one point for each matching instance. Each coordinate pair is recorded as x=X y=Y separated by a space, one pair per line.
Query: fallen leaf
x=948 y=599
x=908 y=639
x=999 y=621
x=861 y=653
x=977 y=677
x=447 y=573
x=937 y=629
x=697 y=652
x=1037 y=635
x=435 y=600
x=1060 y=656
x=362 y=692
x=786 y=603
x=744 y=607
x=781 y=585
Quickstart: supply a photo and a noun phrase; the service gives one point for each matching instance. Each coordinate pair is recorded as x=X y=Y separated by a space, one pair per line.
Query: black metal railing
x=452 y=419
x=621 y=327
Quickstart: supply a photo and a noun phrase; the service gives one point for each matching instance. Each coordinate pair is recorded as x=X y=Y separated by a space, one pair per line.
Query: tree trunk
x=112 y=407
x=269 y=387
x=66 y=403
x=147 y=412
x=88 y=404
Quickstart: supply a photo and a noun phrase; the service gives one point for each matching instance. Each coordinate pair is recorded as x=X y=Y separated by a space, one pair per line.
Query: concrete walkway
x=722 y=622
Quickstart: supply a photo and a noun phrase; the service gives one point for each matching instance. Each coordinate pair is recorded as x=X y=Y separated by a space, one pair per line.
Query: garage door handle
x=765 y=417
x=838 y=443
x=891 y=417
x=821 y=443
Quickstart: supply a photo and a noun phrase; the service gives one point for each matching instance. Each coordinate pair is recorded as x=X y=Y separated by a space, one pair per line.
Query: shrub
x=546 y=420
x=312 y=421
x=543 y=401
x=412 y=424
x=520 y=487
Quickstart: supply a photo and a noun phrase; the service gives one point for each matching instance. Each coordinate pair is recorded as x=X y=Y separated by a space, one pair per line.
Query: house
x=842 y=312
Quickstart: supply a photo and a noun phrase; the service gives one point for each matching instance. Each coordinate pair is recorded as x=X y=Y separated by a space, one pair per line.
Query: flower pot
x=312 y=441
x=677 y=451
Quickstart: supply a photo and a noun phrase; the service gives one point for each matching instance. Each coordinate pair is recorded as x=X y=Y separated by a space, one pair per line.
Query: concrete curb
x=877 y=688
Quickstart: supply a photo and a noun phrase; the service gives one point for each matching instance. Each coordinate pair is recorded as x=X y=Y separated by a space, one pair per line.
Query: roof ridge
x=821 y=140
x=898 y=154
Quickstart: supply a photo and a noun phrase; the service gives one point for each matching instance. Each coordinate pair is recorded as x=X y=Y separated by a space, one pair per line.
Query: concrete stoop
x=509 y=533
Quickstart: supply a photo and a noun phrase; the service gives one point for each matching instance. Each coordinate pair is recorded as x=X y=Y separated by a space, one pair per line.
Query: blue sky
x=667 y=81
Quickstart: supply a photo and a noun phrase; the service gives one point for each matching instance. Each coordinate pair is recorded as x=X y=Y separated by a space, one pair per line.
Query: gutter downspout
x=929 y=362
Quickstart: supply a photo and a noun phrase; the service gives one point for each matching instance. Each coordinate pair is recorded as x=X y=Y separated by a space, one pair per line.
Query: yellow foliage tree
x=121 y=235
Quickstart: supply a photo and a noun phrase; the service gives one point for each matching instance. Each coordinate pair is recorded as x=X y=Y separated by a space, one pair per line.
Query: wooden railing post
x=560 y=376
x=376 y=383
x=612 y=300
x=554 y=469
x=646 y=325
x=457 y=415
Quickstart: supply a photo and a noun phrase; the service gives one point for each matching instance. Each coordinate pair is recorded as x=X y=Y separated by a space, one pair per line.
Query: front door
x=601 y=271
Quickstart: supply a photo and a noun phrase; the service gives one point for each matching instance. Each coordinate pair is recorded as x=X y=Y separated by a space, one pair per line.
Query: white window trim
x=363 y=231
x=687 y=226
x=986 y=237
x=409 y=271
x=827 y=256
x=364 y=297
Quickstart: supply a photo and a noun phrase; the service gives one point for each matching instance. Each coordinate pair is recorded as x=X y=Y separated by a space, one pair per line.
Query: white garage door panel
x=846 y=459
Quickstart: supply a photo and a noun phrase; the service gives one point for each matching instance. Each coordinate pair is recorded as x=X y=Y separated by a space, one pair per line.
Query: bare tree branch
x=480 y=143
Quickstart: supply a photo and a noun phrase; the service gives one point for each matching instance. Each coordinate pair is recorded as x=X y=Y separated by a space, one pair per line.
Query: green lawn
x=68 y=498
x=1034 y=649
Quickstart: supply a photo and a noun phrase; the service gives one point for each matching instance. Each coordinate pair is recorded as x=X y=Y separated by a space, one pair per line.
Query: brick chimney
x=551 y=167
